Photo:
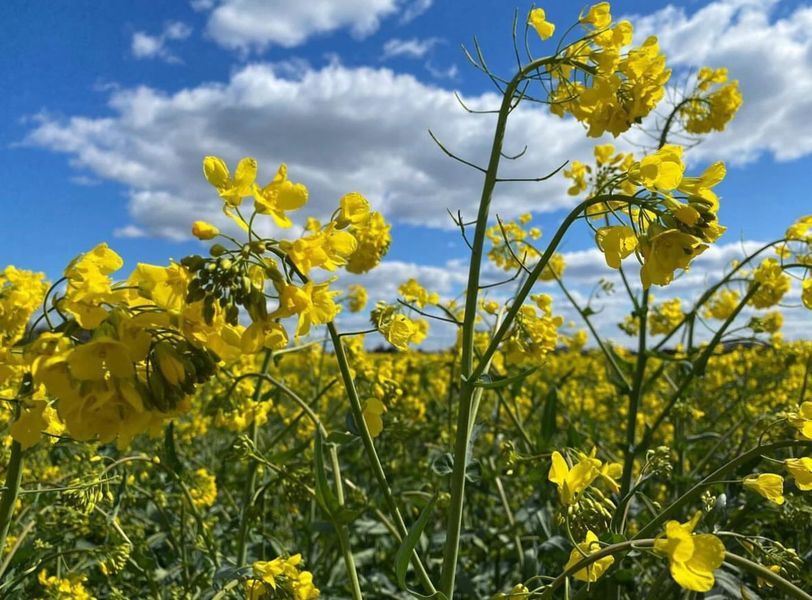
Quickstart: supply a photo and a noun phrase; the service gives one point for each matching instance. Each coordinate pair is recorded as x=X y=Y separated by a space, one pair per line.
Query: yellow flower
x=265 y=333
x=806 y=293
x=399 y=331
x=204 y=231
x=592 y=572
x=313 y=303
x=664 y=317
x=538 y=20
x=373 y=416
x=414 y=293
x=692 y=558
x=353 y=210
x=604 y=152
x=33 y=420
x=203 y=488
x=280 y=195
x=722 y=304
x=231 y=190
x=356 y=297
x=801 y=471
x=773 y=284
x=616 y=242
x=599 y=15
x=661 y=171
x=572 y=482
x=666 y=251
x=89 y=285
x=769 y=485
x=373 y=238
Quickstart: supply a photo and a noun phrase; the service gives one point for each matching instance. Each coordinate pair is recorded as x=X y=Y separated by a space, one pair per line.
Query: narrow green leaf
x=549 y=414
x=404 y=553
x=503 y=381
x=324 y=495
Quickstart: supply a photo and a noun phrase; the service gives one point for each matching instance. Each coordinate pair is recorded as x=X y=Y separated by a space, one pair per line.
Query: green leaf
x=341 y=437
x=492 y=384
x=404 y=553
x=324 y=495
x=548 y=415
x=172 y=460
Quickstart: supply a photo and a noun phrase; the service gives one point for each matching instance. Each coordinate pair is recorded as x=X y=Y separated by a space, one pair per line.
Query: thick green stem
x=466 y=416
x=11 y=489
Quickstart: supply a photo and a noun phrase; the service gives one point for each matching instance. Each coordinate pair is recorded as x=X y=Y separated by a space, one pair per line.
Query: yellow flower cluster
x=772 y=282
x=712 y=104
x=675 y=229
x=281 y=578
x=203 y=488
x=535 y=332
x=398 y=329
x=666 y=316
x=61 y=588
x=620 y=87
x=510 y=240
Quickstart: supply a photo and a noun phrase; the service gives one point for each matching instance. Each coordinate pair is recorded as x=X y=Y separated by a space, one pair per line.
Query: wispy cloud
x=146 y=46
x=411 y=48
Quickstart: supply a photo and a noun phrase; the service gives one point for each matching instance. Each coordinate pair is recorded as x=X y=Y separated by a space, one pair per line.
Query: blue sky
x=82 y=152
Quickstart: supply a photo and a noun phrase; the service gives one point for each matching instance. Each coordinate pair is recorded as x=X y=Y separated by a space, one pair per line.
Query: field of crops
x=207 y=429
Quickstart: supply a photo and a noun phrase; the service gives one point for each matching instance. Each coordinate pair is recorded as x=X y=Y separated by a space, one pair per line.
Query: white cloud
x=129 y=231
x=339 y=129
x=413 y=48
x=770 y=56
x=256 y=24
x=154 y=46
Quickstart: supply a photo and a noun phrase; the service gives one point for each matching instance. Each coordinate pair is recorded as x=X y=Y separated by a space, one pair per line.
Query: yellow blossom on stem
x=592 y=572
x=231 y=189
x=312 y=303
x=573 y=481
x=769 y=485
x=204 y=231
x=538 y=19
x=692 y=557
x=616 y=242
x=801 y=471
x=278 y=196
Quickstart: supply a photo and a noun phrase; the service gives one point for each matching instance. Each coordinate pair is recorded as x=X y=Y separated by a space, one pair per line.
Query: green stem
x=609 y=356
x=245 y=518
x=341 y=530
x=673 y=510
x=12 y=486
x=372 y=454
x=697 y=368
x=764 y=573
x=634 y=398
x=594 y=557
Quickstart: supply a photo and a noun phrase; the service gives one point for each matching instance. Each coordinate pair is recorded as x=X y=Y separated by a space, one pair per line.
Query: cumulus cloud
x=339 y=129
x=771 y=56
x=144 y=45
x=256 y=24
